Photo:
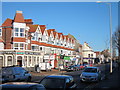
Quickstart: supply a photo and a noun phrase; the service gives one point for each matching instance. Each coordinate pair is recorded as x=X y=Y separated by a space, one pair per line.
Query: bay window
x=19 y=32
x=18 y=46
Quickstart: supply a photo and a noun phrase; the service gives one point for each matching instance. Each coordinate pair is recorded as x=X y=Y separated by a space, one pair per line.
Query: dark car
x=22 y=86
x=73 y=68
x=58 y=81
x=14 y=73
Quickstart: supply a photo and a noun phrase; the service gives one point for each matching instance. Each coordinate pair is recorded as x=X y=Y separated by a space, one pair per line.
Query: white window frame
x=18 y=34
x=19 y=48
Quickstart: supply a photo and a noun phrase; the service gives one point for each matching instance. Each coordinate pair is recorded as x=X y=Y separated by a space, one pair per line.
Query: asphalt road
x=76 y=75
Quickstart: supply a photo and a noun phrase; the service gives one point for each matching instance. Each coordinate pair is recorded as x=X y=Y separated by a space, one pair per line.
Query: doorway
x=19 y=61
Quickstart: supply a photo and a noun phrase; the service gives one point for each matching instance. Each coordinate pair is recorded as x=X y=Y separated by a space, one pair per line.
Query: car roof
x=59 y=76
x=20 y=85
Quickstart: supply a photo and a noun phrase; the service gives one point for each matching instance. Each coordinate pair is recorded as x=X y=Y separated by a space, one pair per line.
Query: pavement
x=112 y=81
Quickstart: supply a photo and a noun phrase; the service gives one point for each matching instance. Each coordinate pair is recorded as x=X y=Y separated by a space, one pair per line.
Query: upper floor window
x=88 y=55
x=18 y=46
x=19 y=32
x=35 y=36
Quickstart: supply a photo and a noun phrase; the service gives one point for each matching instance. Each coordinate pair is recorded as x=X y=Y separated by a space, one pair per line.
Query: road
x=76 y=75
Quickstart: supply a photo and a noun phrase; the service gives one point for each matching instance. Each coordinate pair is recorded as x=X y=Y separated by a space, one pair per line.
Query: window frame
x=19 y=46
x=18 y=32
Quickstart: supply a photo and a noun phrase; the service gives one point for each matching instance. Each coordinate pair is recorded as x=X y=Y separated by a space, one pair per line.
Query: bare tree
x=116 y=41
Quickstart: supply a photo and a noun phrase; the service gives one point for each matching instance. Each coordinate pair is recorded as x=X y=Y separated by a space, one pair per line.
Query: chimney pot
x=18 y=11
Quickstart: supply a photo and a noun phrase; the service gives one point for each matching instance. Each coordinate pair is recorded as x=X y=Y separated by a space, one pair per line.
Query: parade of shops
x=26 y=44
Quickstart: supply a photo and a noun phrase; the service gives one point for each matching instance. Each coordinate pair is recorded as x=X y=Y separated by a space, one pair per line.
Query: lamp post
x=110 y=16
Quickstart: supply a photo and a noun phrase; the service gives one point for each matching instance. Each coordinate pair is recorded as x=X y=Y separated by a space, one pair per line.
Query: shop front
x=26 y=59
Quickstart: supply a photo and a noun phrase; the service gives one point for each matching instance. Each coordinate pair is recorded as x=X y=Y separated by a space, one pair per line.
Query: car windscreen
x=53 y=83
x=92 y=70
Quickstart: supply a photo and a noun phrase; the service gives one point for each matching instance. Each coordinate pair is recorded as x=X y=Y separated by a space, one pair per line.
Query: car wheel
x=81 y=81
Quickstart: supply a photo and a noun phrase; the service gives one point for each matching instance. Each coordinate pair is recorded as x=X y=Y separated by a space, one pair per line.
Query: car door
x=17 y=73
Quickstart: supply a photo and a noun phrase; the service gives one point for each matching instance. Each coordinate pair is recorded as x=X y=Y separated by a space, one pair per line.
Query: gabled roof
x=19 y=17
x=59 y=34
x=42 y=27
x=7 y=22
x=49 y=31
x=28 y=21
x=32 y=28
x=66 y=37
x=54 y=34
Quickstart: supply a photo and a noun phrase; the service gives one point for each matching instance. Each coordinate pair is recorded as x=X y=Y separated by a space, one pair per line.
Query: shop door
x=55 y=63
x=19 y=61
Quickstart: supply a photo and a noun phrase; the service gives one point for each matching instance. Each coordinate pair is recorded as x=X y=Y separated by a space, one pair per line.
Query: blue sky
x=86 y=21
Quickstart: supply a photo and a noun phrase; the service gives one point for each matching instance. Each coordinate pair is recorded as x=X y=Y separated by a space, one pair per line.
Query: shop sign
x=66 y=57
x=32 y=53
x=7 y=52
x=20 y=52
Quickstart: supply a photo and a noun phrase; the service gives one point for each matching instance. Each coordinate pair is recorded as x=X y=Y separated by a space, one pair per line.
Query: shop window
x=29 y=61
x=9 y=60
x=25 y=62
x=37 y=60
x=1 y=61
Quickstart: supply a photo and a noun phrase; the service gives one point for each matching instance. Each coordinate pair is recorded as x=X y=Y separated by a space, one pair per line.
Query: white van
x=45 y=66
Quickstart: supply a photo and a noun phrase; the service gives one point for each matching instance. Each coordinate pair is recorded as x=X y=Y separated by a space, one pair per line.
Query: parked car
x=82 y=66
x=22 y=86
x=45 y=66
x=90 y=74
x=58 y=81
x=73 y=68
x=14 y=73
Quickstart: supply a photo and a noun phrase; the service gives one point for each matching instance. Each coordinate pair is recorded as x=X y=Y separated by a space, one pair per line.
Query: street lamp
x=110 y=15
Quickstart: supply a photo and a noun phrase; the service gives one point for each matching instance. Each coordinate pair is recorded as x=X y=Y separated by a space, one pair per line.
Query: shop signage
x=7 y=52
x=32 y=53
x=66 y=58
x=20 y=52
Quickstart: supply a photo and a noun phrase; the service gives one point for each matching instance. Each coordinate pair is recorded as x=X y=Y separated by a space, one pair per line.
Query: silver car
x=90 y=74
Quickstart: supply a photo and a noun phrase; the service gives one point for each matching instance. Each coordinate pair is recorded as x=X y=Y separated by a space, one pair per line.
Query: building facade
x=26 y=44
x=88 y=54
